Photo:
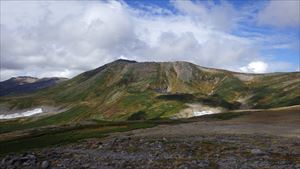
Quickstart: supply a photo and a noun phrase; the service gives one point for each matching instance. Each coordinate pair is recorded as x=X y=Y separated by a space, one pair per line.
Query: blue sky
x=64 y=38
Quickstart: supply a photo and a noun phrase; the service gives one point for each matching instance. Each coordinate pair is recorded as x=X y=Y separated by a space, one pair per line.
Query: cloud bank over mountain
x=65 y=38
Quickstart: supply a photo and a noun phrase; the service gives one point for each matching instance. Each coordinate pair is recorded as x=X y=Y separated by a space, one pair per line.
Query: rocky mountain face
x=125 y=89
x=26 y=84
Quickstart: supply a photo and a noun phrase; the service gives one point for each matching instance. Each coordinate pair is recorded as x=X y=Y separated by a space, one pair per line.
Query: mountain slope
x=26 y=84
x=149 y=90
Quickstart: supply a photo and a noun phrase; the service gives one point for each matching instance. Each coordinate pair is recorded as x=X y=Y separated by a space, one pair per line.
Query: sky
x=65 y=38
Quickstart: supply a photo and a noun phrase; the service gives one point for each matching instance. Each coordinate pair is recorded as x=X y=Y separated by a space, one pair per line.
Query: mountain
x=26 y=84
x=129 y=90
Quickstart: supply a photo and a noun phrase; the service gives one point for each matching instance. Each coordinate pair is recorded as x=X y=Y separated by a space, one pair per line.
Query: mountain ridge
x=27 y=84
x=123 y=88
x=204 y=67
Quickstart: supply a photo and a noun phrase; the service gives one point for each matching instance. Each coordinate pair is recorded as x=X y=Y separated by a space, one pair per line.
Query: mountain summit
x=148 y=90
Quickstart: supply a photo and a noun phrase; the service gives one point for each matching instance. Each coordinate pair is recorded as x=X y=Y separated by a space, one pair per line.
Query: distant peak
x=29 y=79
x=24 y=77
x=125 y=60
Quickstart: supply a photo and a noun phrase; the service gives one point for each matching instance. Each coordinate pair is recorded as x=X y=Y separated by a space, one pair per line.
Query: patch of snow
x=195 y=110
x=21 y=114
x=201 y=113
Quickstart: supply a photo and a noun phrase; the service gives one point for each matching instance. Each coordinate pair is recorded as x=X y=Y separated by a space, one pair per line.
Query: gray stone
x=45 y=164
x=4 y=160
x=86 y=165
x=31 y=156
x=297 y=166
x=256 y=152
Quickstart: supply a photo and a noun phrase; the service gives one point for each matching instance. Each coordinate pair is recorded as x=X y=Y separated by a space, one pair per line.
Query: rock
x=45 y=164
x=23 y=159
x=31 y=156
x=12 y=161
x=184 y=166
x=4 y=160
x=203 y=163
x=86 y=165
x=256 y=152
x=26 y=164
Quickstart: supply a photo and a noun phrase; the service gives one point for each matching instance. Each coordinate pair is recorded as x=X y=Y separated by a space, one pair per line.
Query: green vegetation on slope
x=118 y=90
x=231 y=89
x=45 y=138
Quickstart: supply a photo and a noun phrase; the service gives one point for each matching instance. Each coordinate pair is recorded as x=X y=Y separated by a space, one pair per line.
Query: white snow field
x=21 y=114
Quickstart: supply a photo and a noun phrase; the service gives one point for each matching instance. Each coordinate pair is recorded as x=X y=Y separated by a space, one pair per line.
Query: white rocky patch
x=195 y=110
x=21 y=114
x=201 y=113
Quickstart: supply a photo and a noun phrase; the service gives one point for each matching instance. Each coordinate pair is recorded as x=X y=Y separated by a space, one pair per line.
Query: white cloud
x=123 y=57
x=255 y=67
x=280 y=13
x=57 y=38
x=222 y=17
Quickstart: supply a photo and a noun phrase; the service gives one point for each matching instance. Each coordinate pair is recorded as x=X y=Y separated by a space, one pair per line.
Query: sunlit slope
x=149 y=90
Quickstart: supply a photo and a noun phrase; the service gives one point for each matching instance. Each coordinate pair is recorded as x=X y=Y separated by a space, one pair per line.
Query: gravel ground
x=257 y=140
x=203 y=151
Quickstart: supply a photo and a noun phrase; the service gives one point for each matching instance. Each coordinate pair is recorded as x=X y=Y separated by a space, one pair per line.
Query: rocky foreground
x=260 y=139
x=205 y=151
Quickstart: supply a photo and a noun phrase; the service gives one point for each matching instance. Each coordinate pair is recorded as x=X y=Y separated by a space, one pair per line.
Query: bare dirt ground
x=257 y=139
x=284 y=123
